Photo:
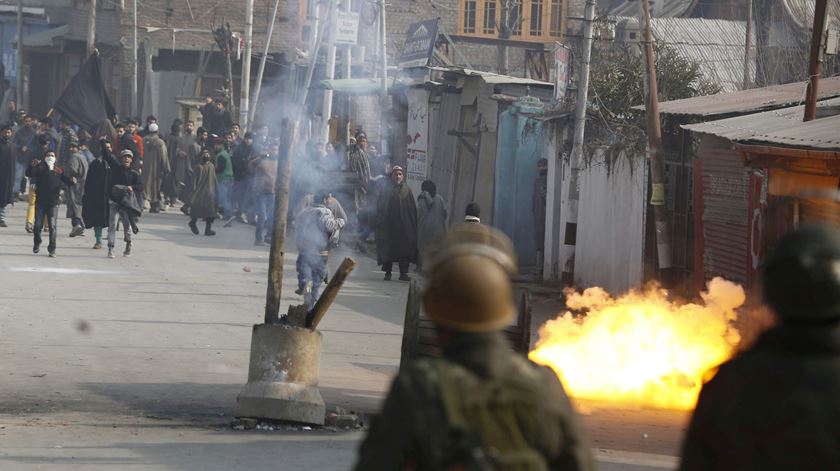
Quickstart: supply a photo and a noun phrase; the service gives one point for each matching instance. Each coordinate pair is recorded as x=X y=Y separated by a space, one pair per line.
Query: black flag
x=85 y=102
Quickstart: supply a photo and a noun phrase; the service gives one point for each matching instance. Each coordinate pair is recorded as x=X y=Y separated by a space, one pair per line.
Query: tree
x=617 y=85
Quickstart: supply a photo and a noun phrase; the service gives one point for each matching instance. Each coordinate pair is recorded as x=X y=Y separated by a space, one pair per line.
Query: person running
x=318 y=230
x=124 y=205
x=49 y=180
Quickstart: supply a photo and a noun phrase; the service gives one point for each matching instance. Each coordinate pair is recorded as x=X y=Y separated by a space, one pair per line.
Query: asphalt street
x=135 y=363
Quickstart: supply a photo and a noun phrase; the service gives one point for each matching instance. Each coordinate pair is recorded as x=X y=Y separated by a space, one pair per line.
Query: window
x=469 y=16
x=536 y=18
x=539 y=20
x=555 y=25
x=489 y=24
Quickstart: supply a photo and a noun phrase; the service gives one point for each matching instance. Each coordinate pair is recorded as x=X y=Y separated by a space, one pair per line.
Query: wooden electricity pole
x=748 y=45
x=815 y=60
x=657 y=163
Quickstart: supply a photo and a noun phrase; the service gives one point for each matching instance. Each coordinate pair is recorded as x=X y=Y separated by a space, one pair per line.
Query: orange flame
x=641 y=348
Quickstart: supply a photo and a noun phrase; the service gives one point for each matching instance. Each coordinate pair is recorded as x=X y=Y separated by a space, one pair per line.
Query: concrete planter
x=283 y=375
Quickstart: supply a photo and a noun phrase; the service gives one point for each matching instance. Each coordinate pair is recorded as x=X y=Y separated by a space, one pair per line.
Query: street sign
x=347 y=28
x=419 y=44
x=562 y=72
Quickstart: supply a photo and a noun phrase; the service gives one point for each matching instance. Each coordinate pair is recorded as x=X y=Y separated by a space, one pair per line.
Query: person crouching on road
x=49 y=179
x=124 y=203
x=318 y=230
x=205 y=193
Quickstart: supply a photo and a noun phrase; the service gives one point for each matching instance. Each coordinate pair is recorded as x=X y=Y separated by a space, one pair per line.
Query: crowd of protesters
x=108 y=177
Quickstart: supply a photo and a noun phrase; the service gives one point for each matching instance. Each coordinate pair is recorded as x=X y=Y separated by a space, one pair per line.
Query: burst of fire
x=641 y=348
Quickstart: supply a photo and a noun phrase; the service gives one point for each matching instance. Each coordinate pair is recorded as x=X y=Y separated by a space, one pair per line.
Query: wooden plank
x=412 y=317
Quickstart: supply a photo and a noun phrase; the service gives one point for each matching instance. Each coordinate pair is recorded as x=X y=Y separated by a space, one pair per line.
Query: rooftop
x=747 y=101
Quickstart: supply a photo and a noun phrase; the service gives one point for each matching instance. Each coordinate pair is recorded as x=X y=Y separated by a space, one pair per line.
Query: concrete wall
x=611 y=221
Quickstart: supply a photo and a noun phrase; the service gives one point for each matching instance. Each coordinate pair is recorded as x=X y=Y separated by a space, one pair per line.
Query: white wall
x=611 y=222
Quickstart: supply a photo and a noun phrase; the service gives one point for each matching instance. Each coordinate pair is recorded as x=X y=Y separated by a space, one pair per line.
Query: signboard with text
x=347 y=28
x=562 y=70
x=419 y=44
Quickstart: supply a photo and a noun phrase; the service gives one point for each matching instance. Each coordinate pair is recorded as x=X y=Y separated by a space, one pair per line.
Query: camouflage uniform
x=412 y=431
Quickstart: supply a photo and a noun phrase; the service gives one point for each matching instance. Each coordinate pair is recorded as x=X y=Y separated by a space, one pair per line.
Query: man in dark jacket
x=22 y=142
x=219 y=121
x=777 y=405
x=95 y=207
x=242 y=176
x=399 y=216
x=8 y=183
x=481 y=406
x=49 y=180
x=124 y=203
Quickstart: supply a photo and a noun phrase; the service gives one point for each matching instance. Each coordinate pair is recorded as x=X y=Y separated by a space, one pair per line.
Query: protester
x=431 y=215
x=46 y=128
x=177 y=161
x=204 y=196
x=206 y=109
x=76 y=168
x=85 y=151
x=151 y=119
x=242 y=177
x=235 y=132
x=224 y=176
x=48 y=179
x=38 y=152
x=400 y=221
x=360 y=166
x=106 y=131
x=261 y=138
x=472 y=214
x=219 y=121
x=776 y=406
x=23 y=140
x=480 y=406
x=155 y=168
x=95 y=207
x=8 y=182
x=194 y=147
x=140 y=154
x=68 y=135
x=125 y=141
x=317 y=231
x=124 y=205
x=264 y=169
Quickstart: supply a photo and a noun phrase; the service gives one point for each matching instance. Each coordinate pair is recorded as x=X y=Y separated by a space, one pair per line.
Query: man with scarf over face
x=49 y=180
x=399 y=216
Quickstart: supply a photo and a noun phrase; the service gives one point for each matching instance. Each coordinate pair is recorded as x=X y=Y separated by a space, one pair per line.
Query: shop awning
x=354 y=86
x=48 y=38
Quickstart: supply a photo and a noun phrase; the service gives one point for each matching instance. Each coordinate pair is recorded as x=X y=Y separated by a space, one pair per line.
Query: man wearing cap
x=76 y=167
x=155 y=167
x=776 y=406
x=398 y=215
x=124 y=204
x=68 y=135
x=480 y=406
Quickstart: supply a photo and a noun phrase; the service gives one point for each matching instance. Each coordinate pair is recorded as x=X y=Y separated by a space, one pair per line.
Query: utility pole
x=19 y=64
x=329 y=73
x=815 y=60
x=245 y=86
x=748 y=45
x=91 y=33
x=224 y=38
x=347 y=50
x=572 y=197
x=383 y=97
x=135 y=106
x=260 y=73
x=657 y=164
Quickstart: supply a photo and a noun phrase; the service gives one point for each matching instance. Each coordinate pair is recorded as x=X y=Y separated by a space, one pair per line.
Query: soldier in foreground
x=777 y=406
x=481 y=406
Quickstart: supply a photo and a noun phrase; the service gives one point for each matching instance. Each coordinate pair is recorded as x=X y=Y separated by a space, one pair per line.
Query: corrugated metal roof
x=747 y=101
x=781 y=127
x=716 y=45
x=659 y=9
x=494 y=79
x=802 y=12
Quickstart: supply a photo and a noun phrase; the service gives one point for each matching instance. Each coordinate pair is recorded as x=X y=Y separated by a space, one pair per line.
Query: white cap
x=153 y=127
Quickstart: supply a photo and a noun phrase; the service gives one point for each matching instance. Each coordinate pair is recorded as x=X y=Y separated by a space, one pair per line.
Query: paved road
x=136 y=362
